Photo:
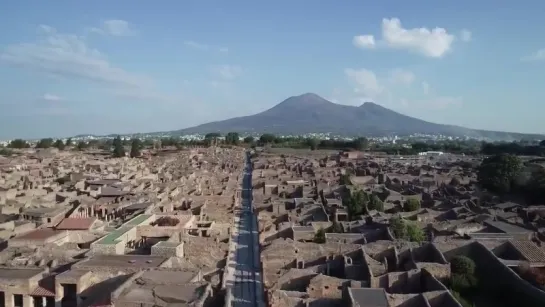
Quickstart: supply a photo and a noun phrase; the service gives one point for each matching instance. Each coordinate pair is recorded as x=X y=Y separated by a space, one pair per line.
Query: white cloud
x=114 y=27
x=365 y=81
x=68 y=55
x=389 y=89
x=401 y=76
x=465 y=35
x=536 y=56
x=205 y=47
x=228 y=72
x=433 y=43
x=364 y=41
x=51 y=97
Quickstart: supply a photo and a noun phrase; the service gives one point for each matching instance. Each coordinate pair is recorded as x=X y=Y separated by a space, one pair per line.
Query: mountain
x=310 y=113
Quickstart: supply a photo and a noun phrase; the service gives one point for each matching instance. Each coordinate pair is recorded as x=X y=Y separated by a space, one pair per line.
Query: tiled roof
x=529 y=250
x=41 y=291
x=76 y=223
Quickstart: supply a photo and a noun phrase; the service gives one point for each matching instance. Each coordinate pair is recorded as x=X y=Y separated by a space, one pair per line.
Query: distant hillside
x=309 y=113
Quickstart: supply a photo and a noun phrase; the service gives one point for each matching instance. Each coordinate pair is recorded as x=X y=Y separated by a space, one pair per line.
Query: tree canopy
x=18 y=144
x=45 y=143
x=59 y=144
x=136 y=145
x=232 y=138
x=119 y=150
x=498 y=173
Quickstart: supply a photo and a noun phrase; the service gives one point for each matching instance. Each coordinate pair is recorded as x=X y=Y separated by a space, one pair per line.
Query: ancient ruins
x=176 y=228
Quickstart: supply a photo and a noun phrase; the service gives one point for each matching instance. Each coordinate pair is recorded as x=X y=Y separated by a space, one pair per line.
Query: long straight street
x=244 y=282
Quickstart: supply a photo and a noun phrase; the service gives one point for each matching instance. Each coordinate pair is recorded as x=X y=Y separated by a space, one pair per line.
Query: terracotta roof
x=529 y=250
x=38 y=234
x=74 y=223
x=46 y=287
x=41 y=291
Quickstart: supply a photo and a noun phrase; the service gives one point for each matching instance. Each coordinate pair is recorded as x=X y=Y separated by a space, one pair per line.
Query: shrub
x=319 y=237
x=462 y=265
x=414 y=233
x=463 y=283
x=412 y=204
x=375 y=203
x=397 y=224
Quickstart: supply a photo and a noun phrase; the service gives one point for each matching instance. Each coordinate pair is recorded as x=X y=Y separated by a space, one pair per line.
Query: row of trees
x=506 y=173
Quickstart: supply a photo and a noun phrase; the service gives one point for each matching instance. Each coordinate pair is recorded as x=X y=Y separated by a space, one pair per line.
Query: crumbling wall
x=501 y=280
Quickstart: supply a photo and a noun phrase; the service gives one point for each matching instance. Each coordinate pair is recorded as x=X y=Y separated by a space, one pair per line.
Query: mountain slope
x=309 y=113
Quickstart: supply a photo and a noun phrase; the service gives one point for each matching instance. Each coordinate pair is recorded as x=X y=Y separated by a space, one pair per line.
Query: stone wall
x=168 y=249
x=503 y=281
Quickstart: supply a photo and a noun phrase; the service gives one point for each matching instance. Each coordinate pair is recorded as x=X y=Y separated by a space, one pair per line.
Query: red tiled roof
x=41 y=291
x=38 y=234
x=74 y=223
x=46 y=287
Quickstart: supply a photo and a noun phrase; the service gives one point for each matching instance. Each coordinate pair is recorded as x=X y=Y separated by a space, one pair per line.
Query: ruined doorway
x=70 y=298
x=18 y=300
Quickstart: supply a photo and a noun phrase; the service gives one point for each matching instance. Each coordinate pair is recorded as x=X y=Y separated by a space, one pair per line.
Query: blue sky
x=71 y=67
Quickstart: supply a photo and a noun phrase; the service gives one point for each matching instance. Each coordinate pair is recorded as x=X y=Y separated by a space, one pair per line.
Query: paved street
x=247 y=287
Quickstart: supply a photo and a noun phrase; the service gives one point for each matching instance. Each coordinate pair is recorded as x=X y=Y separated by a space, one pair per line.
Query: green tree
x=345 y=179
x=267 y=138
x=462 y=265
x=319 y=236
x=411 y=204
x=232 y=138
x=45 y=143
x=81 y=146
x=6 y=152
x=211 y=138
x=59 y=144
x=119 y=150
x=68 y=142
x=336 y=227
x=414 y=233
x=397 y=225
x=313 y=143
x=375 y=203
x=18 y=143
x=249 y=140
x=136 y=145
x=498 y=173
x=356 y=203
x=361 y=143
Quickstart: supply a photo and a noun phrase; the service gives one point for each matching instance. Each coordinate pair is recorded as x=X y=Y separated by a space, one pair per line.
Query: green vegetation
x=411 y=204
x=406 y=230
x=81 y=146
x=59 y=144
x=6 y=152
x=45 y=143
x=136 y=145
x=462 y=265
x=463 y=282
x=119 y=150
x=358 y=202
x=498 y=173
x=68 y=142
x=375 y=203
x=232 y=138
x=336 y=228
x=18 y=144
x=319 y=237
